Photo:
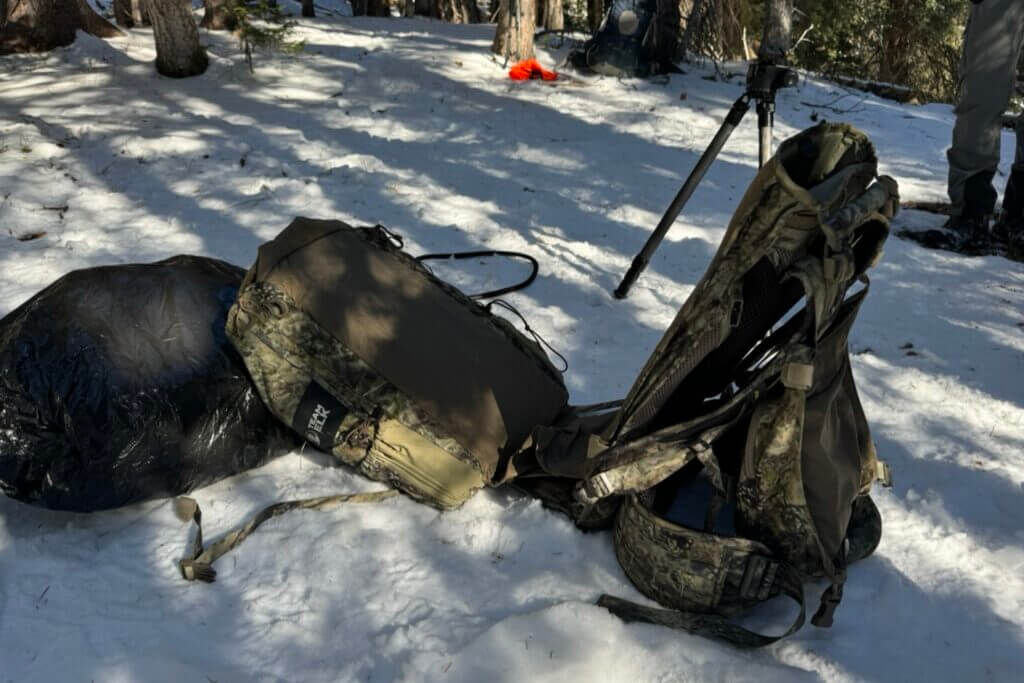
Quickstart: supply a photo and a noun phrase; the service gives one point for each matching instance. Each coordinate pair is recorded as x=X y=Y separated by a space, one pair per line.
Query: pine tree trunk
x=595 y=14
x=666 y=32
x=378 y=8
x=552 y=16
x=893 y=64
x=694 y=26
x=41 y=25
x=178 y=52
x=458 y=11
x=307 y=8
x=123 y=13
x=218 y=15
x=778 y=29
x=94 y=24
x=128 y=13
x=514 y=34
x=685 y=8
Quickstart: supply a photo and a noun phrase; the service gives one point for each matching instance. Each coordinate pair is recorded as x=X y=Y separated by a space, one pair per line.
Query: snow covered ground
x=410 y=123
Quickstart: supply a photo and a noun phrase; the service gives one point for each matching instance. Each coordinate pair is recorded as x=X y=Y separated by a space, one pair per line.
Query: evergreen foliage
x=263 y=25
x=914 y=43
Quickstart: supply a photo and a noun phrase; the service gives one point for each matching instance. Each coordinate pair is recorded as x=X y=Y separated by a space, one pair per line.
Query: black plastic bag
x=118 y=384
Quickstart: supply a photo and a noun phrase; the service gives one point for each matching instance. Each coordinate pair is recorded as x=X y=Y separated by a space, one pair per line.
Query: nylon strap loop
x=198 y=566
x=459 y=255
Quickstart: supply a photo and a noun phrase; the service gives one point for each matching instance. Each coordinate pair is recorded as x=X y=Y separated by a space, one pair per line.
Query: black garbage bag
x=118 y=384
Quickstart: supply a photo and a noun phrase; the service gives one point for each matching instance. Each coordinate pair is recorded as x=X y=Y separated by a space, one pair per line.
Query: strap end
x=185 y=508
x=830 y=599
x=197 y=571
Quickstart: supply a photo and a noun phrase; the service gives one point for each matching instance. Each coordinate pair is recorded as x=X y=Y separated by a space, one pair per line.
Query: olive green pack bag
x=365 y=353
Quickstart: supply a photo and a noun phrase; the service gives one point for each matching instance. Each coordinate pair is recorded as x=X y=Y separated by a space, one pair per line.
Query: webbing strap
x=641 y=475
x=830 y=600
x=198 y=566
x=711 y=625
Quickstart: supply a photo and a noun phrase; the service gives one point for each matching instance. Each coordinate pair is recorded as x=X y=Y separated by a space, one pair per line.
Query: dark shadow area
x=959 y=319
x=986 y=505
x=888 y=607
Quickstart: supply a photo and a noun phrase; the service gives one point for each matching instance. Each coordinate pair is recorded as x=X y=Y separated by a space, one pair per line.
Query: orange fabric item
x=530 y=68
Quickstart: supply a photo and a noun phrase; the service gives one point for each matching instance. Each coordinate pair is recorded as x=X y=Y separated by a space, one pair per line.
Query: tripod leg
x=765 y=124
x=732 y=119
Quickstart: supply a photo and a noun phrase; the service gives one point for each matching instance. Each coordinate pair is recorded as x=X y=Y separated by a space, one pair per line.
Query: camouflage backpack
x=742 y=415
x=361 y=350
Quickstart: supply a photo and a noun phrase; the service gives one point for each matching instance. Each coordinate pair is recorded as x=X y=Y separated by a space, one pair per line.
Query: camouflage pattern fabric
x=813 y=174
x=369 y=356
x=808 y=456
x=285 y=351
x=703 y=577
x=639 y=464
x=770 y=494
x=808 y=463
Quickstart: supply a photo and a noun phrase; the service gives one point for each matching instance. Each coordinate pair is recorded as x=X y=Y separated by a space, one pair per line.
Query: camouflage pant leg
x=988 y=67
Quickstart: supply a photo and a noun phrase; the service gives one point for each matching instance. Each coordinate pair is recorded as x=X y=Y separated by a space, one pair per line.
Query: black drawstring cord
x=482 y=254
x=533 y=333
x=534 y=267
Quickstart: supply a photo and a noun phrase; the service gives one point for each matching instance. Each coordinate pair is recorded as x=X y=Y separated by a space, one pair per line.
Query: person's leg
x=1010 y=228
x=1013 y=198
x=988 y=68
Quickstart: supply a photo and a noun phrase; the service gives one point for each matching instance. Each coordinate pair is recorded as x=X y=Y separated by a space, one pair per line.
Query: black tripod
x=763 y=79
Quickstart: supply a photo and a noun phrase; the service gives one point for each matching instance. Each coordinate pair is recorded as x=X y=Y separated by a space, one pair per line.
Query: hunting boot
x=1010 y=227
x=971 y=227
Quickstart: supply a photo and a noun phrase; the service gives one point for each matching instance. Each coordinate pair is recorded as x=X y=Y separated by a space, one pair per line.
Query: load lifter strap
x=713 y=625
x=198 y=566
x=628 y=467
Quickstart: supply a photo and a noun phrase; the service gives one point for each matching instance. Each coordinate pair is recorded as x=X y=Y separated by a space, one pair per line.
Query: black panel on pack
x=318 y=416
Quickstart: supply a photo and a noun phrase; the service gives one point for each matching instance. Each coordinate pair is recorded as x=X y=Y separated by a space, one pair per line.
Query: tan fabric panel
x=420 y=466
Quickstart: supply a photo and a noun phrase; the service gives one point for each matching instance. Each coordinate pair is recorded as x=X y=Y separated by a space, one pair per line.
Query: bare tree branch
x=802 y=36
